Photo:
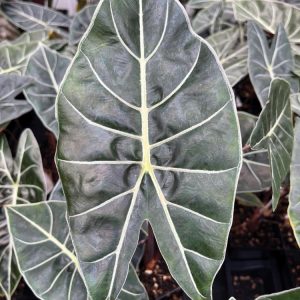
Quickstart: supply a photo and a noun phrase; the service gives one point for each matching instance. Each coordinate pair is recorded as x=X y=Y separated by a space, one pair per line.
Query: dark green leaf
x=266 y=63
x=274 y=131
x=47 y=67
x=147 y=130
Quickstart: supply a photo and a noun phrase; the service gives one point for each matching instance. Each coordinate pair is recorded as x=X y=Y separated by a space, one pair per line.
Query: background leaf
x=232 y=54
x=21 y=181
x=249 y=199
x=10 y=87
x=269 y=14
x=14 y=55
x=266 y=63
x=47 y=67
x=255 y=175
x=31 y=17
x=80 y=23
x=53 y=273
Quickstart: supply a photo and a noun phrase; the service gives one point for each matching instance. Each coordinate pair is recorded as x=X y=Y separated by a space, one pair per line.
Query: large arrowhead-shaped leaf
x=148 y=130
x=293 y=294
x=80 y=23
x=255 y=175
x=274 y=131
x=266 y=63
x=21 y=181
x=53 y=271
x=47 y=67
x=10 y=87
x=232 y=57
x=269 y=14
x=31 y=17
x=294 y=207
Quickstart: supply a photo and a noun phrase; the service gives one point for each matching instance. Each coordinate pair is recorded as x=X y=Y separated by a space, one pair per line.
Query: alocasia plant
x=53 y=271
x=274 y=131
x=47 y=68
x=11 y=86
x=31 y=17
x=255 y=175
x=21 y=181
x=266 y=63
x=155 y=117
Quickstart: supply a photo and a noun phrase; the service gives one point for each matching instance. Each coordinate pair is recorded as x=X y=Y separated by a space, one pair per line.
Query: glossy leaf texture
x=80 y=23
x=10 y=87
x=232 y=54
x=274 y=131
x=292 y=294
x=255 y=175
x=146 y=121
x=269 y=14
x=32 y=17
x=14 y=55
x=266 y=63
x=47 y=67
x=53 y=271
x=22 y=181
x=294 y=198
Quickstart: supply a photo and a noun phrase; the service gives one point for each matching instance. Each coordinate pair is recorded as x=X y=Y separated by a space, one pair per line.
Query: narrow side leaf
x=274 y=131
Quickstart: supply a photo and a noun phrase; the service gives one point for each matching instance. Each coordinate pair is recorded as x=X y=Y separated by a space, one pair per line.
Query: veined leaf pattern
x=266 y=63
x=10 y=87
x=141 y=108
x=47 y=67
x=269 y=14
x=80 y=23
x=42 y=229
x=233 y=58
x=32 y=17
x=255 y=175
x=21 y=181
x=14 y=55
x=274 y=131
